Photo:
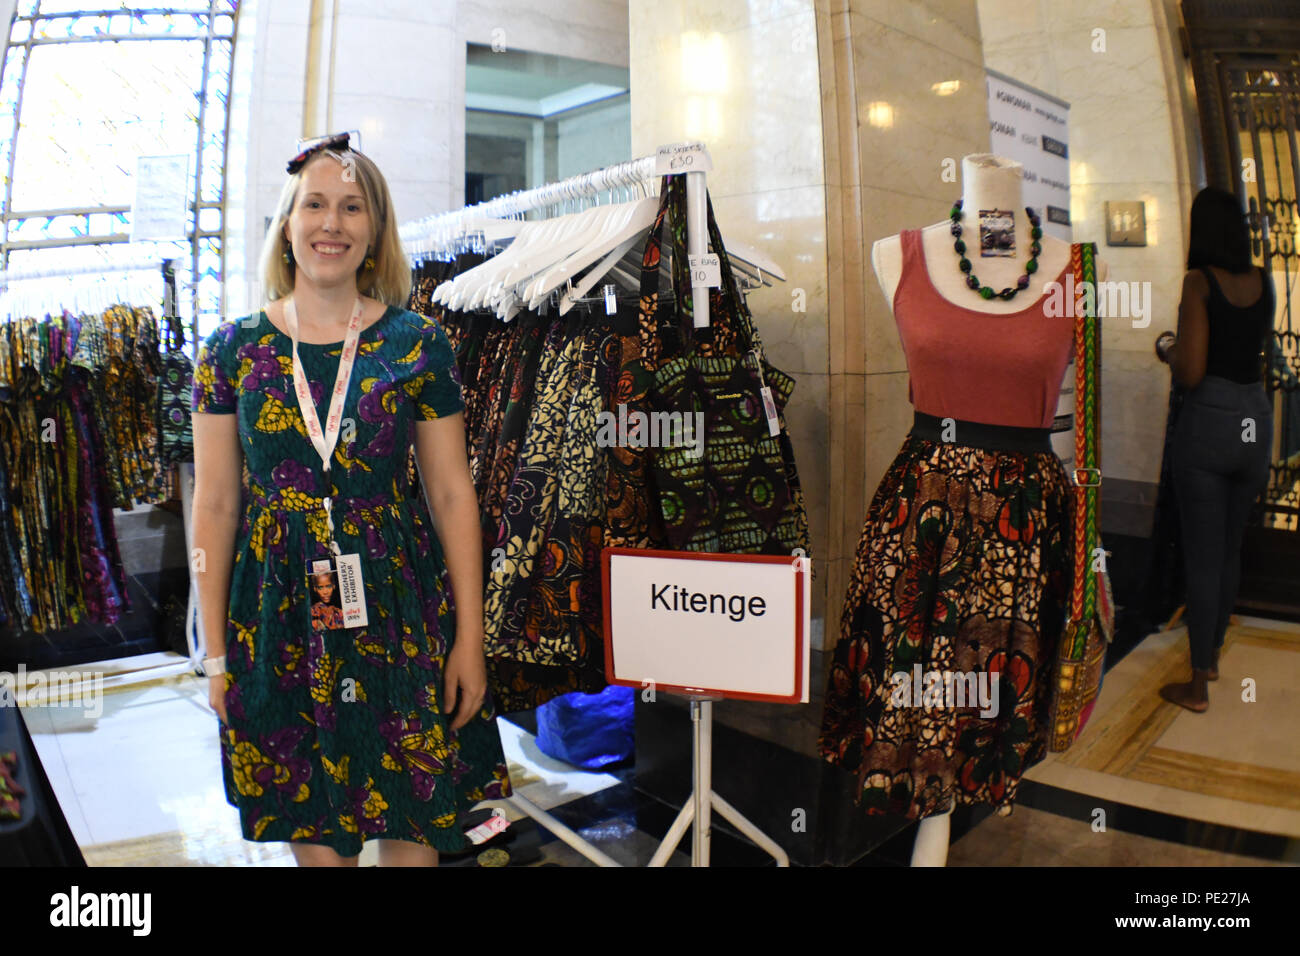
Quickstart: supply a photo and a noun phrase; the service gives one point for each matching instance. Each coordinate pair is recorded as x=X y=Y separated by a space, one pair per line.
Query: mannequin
x=988 y=182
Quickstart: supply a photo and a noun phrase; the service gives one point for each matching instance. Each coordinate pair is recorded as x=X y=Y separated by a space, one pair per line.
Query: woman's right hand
x=217 y=695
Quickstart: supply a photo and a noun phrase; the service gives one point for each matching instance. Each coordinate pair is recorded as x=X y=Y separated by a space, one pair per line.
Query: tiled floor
x=1236 y=765
x=1032 y=837
x=140 y=784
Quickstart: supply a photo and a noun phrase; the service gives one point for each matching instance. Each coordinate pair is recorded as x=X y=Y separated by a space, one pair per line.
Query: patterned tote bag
x=728 y=483
x=175 y=382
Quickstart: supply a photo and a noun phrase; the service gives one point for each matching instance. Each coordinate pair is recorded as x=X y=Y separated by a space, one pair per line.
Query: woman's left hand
x=464 y=680
x=1164 y=342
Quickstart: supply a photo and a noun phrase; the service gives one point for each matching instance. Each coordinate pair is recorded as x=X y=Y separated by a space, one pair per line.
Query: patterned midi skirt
x=939 y=686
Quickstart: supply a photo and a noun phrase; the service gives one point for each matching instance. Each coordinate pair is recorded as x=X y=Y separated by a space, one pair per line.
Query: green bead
x=964 y=265
x=1031 y=266
x=986 y=292
x=1036 y=233
x=955 y=213
x=960 y=247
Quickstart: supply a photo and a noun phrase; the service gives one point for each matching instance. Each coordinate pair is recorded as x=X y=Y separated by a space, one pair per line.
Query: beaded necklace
x=988 y=292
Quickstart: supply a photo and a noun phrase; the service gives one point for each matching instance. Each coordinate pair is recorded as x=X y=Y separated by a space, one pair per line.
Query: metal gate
x=1263 y=107
x=1246 y=63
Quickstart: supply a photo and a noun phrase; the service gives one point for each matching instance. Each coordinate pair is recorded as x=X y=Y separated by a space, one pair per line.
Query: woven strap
x=1087 y=427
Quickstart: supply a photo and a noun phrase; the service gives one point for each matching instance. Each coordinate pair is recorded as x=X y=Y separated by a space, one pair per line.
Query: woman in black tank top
x=1223 y=437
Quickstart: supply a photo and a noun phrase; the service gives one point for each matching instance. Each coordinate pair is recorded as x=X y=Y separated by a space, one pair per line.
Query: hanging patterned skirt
x=939 y=686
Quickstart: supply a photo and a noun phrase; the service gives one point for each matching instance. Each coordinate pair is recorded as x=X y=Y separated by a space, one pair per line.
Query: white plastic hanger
x=600 y=271
x=467 y=289
x=628 y=229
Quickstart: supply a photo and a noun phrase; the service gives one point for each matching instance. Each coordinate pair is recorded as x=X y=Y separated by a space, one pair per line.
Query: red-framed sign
x=724 y=625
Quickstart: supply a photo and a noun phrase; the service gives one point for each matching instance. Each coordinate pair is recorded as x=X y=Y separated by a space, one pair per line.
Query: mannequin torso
x=989 y=182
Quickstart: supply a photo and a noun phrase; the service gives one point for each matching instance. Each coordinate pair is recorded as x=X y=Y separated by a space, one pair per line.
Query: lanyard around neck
x=324 y=440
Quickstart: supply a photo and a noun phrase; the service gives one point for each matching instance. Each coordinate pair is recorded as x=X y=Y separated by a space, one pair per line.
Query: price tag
x=611 y=303
x=706 y=270
x=497 y=823
x=769 y=408
x=682 y=158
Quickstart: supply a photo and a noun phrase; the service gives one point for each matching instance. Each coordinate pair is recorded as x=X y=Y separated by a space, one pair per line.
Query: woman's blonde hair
x=389 y=281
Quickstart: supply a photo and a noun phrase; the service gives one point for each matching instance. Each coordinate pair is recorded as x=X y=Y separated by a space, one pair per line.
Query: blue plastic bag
x=588 y=730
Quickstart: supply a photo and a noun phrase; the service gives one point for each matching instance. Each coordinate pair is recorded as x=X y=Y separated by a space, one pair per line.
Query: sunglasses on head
x=309 y=147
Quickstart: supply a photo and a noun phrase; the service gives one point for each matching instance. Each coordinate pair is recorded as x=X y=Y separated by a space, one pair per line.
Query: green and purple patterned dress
x=337 y=737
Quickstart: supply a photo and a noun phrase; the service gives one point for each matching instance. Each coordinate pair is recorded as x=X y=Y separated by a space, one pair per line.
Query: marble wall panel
x=745 y=79
x=594 y=30
x=294 y=12
x=384 y=59
x=789 y=225
x=398 y=75
x=1129 y=140
x=906 y=129
x=404 y=12
x=751 y=93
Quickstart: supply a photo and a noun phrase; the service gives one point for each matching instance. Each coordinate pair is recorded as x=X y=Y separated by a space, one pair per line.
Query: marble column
x=395 y=71
x=903 y=99
x=829 y=122
x=1132 y=136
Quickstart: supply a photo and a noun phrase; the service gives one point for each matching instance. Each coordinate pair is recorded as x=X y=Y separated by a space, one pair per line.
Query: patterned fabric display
x=554 y=490
x=532 y=496
x=729 y=490
x=175 y=384
x=962 y=568
x=78 y=437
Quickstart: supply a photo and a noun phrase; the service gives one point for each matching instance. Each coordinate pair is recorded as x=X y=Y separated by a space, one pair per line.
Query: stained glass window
x=83 y=94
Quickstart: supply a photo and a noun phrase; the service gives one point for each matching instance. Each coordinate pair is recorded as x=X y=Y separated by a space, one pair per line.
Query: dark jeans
x=1218 y=475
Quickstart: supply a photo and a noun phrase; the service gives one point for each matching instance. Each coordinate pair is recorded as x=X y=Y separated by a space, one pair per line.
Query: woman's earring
x=287 y=255
x=369 y=264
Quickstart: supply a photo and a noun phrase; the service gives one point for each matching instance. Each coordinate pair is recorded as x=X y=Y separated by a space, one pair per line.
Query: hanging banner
x=161 y=198
x=1032 y=128
x=726 y=625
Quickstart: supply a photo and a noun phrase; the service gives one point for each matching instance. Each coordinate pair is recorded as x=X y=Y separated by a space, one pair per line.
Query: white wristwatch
x=212 y=666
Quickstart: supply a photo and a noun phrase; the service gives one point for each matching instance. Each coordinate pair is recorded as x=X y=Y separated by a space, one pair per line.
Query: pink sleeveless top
x=973 y=366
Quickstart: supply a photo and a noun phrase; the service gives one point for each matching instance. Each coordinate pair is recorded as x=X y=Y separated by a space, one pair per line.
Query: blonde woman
x=379 y=729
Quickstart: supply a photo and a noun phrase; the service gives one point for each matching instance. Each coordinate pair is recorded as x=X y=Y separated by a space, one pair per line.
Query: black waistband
x=979 y=435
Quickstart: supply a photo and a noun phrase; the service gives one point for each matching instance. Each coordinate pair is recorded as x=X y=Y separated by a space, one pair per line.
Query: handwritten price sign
x=706 y=271
x=682 y=158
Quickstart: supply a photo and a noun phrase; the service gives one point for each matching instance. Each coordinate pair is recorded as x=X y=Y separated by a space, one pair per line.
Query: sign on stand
x=715 y=625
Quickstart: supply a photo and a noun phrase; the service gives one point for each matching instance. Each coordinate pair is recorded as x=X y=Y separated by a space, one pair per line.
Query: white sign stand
x=703 y=801
x=711 y=627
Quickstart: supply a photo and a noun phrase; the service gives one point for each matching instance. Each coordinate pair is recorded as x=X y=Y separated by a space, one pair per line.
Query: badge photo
x=323 y=591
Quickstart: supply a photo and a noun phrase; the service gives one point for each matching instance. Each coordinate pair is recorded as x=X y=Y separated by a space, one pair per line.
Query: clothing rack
x=167 y=268
x=420 y=235
x=17 y=275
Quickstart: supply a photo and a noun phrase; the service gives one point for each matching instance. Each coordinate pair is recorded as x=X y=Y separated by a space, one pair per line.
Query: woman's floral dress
x=338 y=736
